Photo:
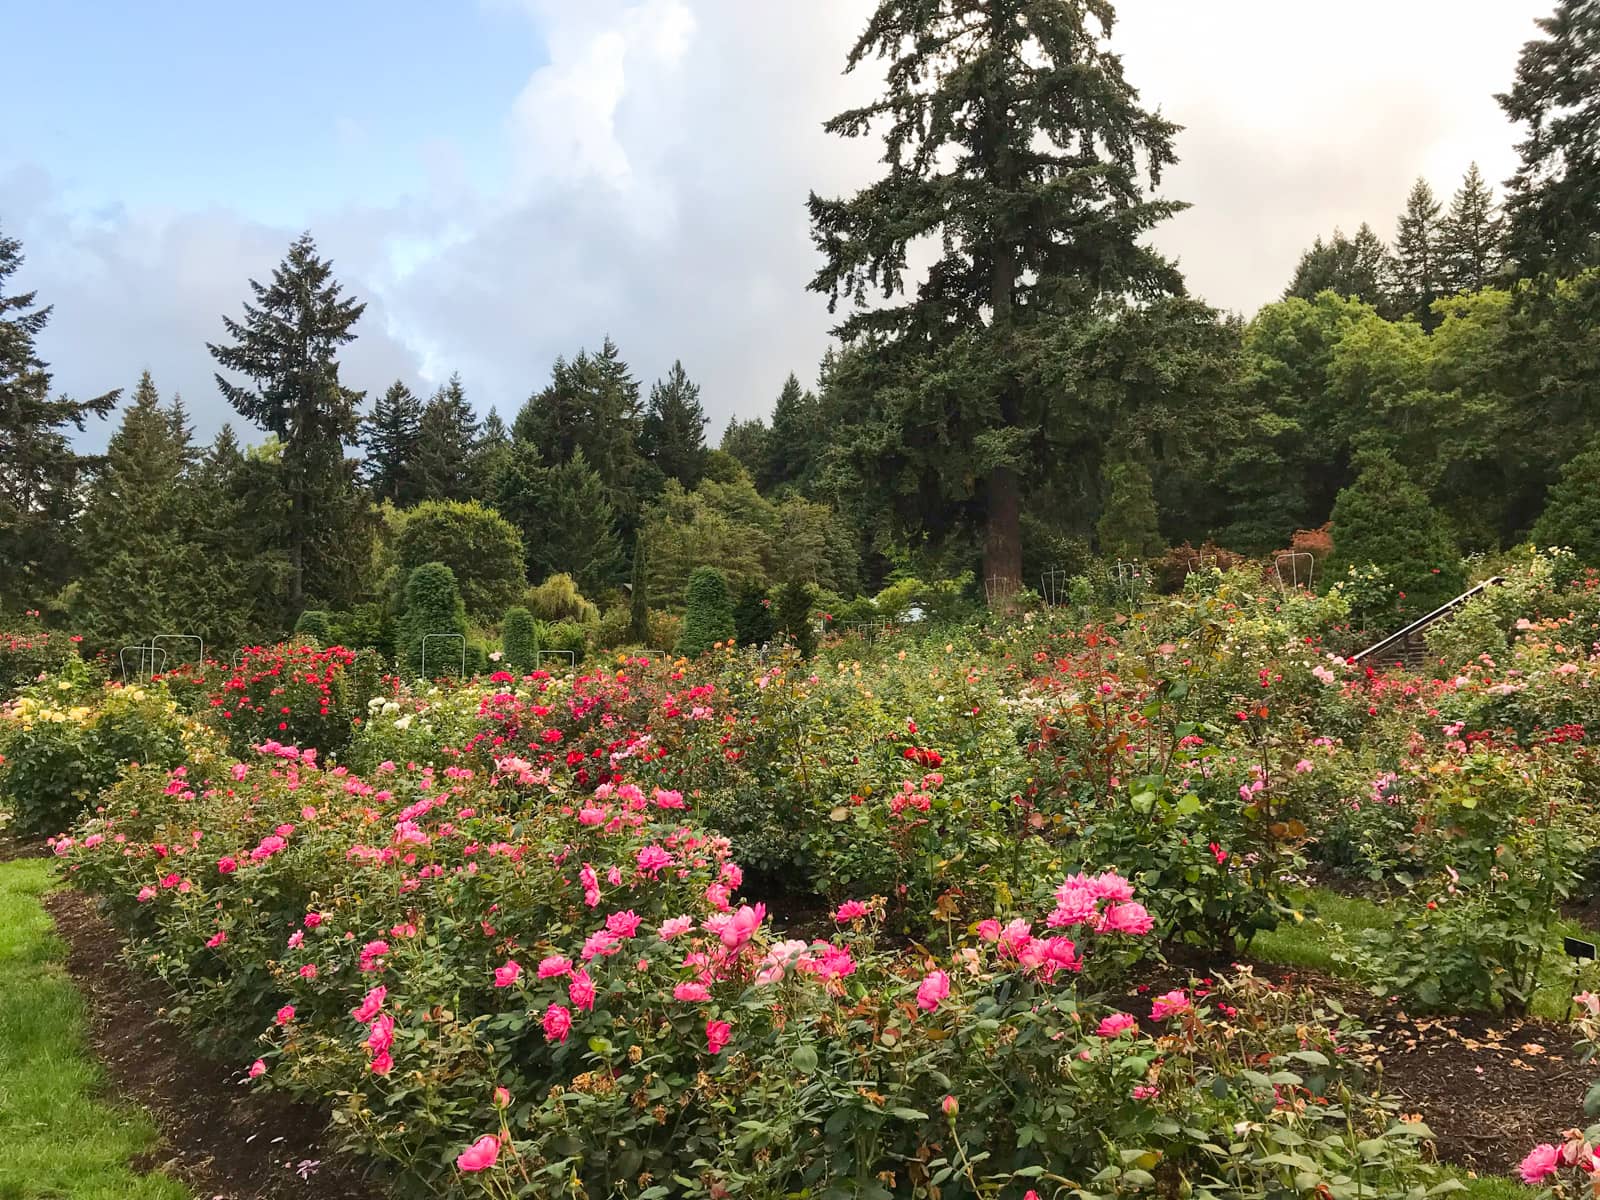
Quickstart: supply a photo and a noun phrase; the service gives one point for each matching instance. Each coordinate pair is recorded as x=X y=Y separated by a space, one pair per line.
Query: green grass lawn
x=1331 y=918
x=59 y=1137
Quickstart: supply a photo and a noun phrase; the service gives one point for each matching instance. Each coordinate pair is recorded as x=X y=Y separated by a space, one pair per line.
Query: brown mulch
x=218 y=1136
x=1490 y=1087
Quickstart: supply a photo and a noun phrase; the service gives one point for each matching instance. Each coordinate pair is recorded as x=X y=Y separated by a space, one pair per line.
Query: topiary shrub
x=519 y=640
x=753 y=623
x=558 y=599
x=433 y=606
x=314 y=624
x=482 y=549
x=794 y=617
x=1384 y=519
x=707 y=617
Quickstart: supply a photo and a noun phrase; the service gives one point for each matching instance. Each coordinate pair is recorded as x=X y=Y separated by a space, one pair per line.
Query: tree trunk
x=1002 y=542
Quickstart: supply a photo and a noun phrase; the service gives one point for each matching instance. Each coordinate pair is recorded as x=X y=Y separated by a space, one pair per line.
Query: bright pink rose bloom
x=1542 y=1161
x=849 y=911
x=380 y=1034
x=935 y=987
x=285 y=1014
x=557 y=1021
x=742 y=924
x=227 y=864
x=506 y=976
x=675 y=926
x=479 y=1156
x=382 y=1063
x=217 y=938
x=717 y=1035
x=989 y=930
x=691 y=992
x=580 y=990
x=370 y=1004
x=1129 y=917
x=1116 y=1025
x=1170 y=1005
x=623 y=924
x=554 y=966
x=257 y=1069
x=146 y=894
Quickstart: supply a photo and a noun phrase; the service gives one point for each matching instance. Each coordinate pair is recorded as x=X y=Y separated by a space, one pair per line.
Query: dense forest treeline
x=1042 y=391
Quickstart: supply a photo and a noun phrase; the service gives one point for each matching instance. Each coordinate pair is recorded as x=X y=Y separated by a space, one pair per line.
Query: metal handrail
x=1423 y=622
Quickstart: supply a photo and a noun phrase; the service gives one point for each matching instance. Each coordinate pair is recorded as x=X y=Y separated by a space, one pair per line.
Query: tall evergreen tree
x=1553 y=201
x=747 y=442
x=1418 y=278
x=1356 y=267
x=564 y=516
x=447 y=439
x=391 y=436
x=592 y=403
x=794 y=443
x=489 y=455
x=287 y=345
x=1015 y=144
x=39 y=470
x=673 y=434
x=1471 y=237
x=130 y=533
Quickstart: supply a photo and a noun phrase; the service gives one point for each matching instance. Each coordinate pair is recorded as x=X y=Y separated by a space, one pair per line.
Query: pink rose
x=717 y=1035
x=370 y=1004
x=481 y=1155
x=691 y=992
x=935 y=987
x=507 y=975
x=849 y=911
x=285 y=1014
x=1542 y=1161
x=557 y=1022
x=227 y=864
x=580 y=990
x=1170 y=1005
x=1115 y=1025
x=554 y=966
x=257 y=1069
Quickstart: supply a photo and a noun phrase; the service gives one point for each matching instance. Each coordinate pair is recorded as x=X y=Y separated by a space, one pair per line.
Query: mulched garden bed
x=223 y=1139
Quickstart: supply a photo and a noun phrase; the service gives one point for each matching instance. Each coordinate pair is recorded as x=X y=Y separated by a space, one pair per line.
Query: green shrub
x=433 y=606
x=314 y=624
x=707 y=617
x=65 y=741
x=558 y=599
x=519 y=639
x=564 y=635
x=1571 y=516
x=664 y=628
x=615 y=628
x=753 y=618
x=482 y=549
x=364 y=627
x=1385 y=519
x=794 y=617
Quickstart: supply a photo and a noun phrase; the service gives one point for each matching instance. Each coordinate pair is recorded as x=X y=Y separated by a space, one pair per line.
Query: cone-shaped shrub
x=707 y=617
x=1384 y=519
x=519 y=639
x=433 y=605
x=314 y=624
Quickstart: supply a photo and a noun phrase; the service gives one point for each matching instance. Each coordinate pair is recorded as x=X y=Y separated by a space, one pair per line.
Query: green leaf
x=805 y=1060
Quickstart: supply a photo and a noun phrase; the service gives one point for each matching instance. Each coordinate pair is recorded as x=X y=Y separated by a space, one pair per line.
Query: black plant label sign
x=1579 y=949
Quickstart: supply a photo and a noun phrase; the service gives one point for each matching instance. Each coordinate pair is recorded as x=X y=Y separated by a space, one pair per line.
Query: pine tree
x=39 y=470
x=1356 y=267
x=489 y=456
x=1471 y=237
x=1015 y=145
x=287 y=344
x=391 y=436
x=564 y=516
x=130 y=533
x=447 y=438
x=673 y=434
x=795 y=441
x=746 y=441
x=1417 y=268
x=591 y=404
x=1553 y=201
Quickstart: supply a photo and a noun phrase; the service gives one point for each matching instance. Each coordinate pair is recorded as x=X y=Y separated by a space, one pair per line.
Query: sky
x=507 y=181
